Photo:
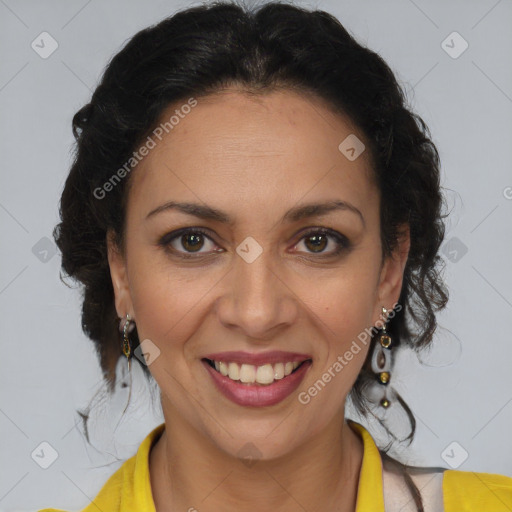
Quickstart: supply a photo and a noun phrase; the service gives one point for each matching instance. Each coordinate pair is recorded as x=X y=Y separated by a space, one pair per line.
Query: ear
x=392 y=273
x=119 y=278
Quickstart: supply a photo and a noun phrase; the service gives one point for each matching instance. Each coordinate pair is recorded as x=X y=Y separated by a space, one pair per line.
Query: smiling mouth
x=263 y=375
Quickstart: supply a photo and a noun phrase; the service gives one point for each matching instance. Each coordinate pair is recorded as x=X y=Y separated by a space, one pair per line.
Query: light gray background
x=49 y=368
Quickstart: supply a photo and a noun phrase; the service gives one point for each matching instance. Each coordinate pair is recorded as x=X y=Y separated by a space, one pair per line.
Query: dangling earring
x=126 y=325
x=381 y=359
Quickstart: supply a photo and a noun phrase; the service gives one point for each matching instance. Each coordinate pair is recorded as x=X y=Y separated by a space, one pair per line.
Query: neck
x=189 y=472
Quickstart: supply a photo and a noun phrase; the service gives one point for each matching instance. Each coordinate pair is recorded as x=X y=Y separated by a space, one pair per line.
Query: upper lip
x=261 y=358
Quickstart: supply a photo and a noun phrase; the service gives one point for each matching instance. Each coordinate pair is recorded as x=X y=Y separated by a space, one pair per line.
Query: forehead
x=255 y=150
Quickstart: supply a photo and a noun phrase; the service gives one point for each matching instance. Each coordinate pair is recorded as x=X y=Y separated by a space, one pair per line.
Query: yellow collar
x=370 y=493
x=130 y=485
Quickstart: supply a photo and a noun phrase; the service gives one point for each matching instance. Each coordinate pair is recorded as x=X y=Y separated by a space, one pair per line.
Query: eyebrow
x=295 y=214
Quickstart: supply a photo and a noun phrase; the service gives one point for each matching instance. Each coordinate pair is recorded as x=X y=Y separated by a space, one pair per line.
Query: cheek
x=345 y=302
x=165 y=308
x=343 y=322
x=169 y=302
x=343 y=311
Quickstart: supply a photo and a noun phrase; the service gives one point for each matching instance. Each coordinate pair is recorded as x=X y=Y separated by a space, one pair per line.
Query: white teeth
x=250 y=374
x=223 y=367
x=247 y=373
x=278 y=371
x=234 y=371
x=265 y=374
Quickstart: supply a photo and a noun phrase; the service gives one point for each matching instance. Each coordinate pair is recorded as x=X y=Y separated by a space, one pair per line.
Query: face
x=270 y=276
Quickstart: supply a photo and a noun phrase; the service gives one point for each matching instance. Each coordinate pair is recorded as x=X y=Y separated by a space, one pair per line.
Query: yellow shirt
x=129 y=488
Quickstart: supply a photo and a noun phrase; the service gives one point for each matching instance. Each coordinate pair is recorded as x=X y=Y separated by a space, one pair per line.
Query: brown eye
x=192 y=241
x=187 y=241
x=316 y=243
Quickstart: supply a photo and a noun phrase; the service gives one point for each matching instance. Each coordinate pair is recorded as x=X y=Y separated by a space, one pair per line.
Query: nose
x=257 y=301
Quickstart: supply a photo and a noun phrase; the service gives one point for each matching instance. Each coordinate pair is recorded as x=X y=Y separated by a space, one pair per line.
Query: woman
x=255 y=214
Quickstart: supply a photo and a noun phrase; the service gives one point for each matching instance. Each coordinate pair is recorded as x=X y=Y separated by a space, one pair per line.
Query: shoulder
x=111 y=494
x=446 y=490
x=128 y=488
x=399 y=494
x=470 y=491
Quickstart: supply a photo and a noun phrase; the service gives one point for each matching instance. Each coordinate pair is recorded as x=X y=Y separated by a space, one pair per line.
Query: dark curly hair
x=203 y=49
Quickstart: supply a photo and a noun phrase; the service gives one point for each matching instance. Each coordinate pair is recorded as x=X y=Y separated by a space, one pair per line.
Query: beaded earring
x=381 y=360
x=126 y=325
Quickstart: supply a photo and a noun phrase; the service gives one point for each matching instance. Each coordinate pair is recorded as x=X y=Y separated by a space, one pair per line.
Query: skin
x=254 y=157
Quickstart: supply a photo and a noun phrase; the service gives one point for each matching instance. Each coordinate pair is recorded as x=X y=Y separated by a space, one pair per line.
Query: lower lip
x=256 y=395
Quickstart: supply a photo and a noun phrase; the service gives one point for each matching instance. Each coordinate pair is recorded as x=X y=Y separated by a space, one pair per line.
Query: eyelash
x=343 y=243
